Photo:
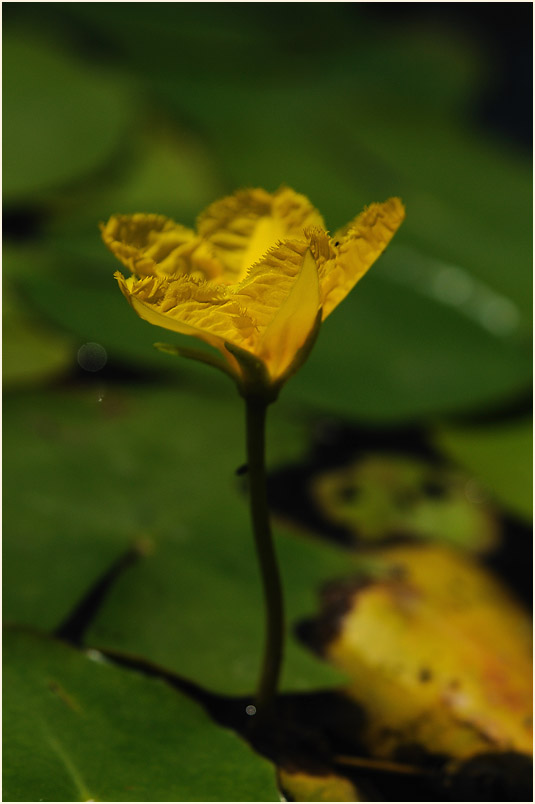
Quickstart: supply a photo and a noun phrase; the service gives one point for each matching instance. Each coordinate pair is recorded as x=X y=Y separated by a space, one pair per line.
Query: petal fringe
x=343 y=259
x=153 y=245
x=259 y=275
x=244 y=226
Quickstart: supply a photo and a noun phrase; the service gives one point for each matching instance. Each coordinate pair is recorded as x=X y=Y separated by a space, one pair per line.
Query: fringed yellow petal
x=188 y=307
x=345 y=258
x=151 y=245
x=244 y=226
x=269 y=282
x=255 y=282
x=290 y=329
x=269 y=314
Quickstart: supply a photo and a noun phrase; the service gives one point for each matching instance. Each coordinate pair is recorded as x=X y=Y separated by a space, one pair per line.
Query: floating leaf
x=501 y=456
x=76 y=729
x=99 y=468
x=92 y=312
x=458 y=365
x=173 y=173
x=65 y=117
x=32 y=351
x=390 y=353
x=165 y=168
x=411 y=348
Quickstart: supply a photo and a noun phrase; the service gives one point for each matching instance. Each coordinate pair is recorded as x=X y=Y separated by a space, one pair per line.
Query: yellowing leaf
x=328 y=787
x=440 y=656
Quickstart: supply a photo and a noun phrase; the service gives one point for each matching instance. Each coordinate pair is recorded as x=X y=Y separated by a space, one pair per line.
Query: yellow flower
x=254 y=281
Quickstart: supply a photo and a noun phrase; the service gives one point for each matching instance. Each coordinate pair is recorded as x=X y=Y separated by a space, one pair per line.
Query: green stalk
x=256 y=409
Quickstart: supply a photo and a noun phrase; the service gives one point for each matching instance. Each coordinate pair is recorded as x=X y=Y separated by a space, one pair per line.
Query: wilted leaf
x=83 y=730
x=440 y=657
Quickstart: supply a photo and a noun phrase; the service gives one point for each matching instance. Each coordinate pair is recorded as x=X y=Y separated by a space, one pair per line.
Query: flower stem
x=256 y=423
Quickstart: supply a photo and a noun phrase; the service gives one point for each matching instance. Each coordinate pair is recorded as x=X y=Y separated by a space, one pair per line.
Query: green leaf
x=65 y=117
x=92 y=309
x=406 y=352
x=412 y=352
x=500 y=456
x=76 y=729
x=171 y=172
x=468 y=196
x=31 y=351
x=164 y=169
x=86 y=477
x=391 y=352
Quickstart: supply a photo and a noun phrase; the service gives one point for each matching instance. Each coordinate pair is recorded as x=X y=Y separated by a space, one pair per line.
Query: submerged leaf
x=381 y=497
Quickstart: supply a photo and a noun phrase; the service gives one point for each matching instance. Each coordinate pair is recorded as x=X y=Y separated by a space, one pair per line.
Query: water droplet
x=92 y=357
x=251 y=710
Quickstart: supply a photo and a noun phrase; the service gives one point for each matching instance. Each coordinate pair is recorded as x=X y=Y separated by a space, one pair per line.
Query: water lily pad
x=92 y=471
x=500 y=456
x=76 y=729
x=388 y=352
x=385 y=370
x=65 y=117
x=32 y=351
